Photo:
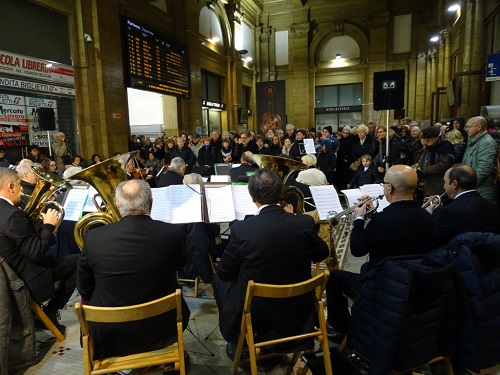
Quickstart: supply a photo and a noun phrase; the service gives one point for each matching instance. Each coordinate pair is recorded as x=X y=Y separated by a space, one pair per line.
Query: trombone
x=335 y=217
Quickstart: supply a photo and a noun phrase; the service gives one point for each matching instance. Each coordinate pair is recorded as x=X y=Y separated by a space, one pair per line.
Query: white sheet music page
x=220 y=204
x=326 y=199
x=74 y=203
x=243 y=203
x=185 y=204
x=309 y=146
x=374 y=190
x=161 y=204
x=352 y=196
x=89 y=204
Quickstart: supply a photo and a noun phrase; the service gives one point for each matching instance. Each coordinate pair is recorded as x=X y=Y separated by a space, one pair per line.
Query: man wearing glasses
x=246 y=145
x=28 y=181
x=481 y=155
x=382 y=238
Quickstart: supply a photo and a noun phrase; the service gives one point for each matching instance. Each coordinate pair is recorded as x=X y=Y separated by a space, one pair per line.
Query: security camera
x=87 y=37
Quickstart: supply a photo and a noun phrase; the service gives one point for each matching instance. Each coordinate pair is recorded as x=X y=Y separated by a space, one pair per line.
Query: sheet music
x=161 y=204
x=220 y=178
x=326 y=199
x=374 y=190
x=220 y=204
x=309 y=146
x=243 y=204
x=185 y=204
x=75 y=201
x=89 y=204
x=352 y=196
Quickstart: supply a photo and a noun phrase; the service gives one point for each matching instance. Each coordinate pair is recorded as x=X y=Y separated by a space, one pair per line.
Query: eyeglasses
x=386 y=183
x=471 y=126
x=52 y=165
x=245 y=137
x=380 y=131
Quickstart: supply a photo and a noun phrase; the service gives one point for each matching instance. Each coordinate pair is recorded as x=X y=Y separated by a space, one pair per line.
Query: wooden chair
x=173 y=354
x=317 y=284
x=197 y=279
x=46 y=321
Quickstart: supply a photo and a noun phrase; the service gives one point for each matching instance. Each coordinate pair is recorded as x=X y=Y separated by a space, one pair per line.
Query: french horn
x=104 y=177
x=47 y=184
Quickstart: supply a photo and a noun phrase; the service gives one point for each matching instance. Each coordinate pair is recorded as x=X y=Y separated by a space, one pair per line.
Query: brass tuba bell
x=104 y=177
x=283 y=167
x=47 y=184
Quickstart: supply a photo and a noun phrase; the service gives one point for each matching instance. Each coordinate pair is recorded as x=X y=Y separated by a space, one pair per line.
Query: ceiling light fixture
x=453 y=7
x=434 y=39
x=338 y=56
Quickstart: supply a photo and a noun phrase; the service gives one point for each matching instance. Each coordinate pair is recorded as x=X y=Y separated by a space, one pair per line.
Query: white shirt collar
x=8 y=200
x=263 y=206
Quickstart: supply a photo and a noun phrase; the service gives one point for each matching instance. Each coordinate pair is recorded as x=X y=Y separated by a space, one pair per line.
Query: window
x=338 y=105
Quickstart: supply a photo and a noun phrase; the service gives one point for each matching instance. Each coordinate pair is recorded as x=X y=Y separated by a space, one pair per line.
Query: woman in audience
x=185 y=153
x=457 y=140
x=287 y=145
x=169 y=147
x=275 y=148
x=96 y=158
x=206 y=157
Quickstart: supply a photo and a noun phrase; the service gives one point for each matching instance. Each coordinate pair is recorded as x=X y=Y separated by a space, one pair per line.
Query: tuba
x=283 y=167
x=47 y=184
x=104 y=177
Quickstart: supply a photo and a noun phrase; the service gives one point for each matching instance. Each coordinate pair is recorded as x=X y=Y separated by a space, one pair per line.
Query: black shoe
x=334 y=336
x=54 y=317
x=231 y=351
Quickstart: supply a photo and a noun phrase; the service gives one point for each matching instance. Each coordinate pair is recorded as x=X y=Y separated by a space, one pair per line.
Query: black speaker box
x=46 y=119
x=389 y=90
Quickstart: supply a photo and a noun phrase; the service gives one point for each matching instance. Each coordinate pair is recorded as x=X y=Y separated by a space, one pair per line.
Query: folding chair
x=173 y=354
x=46 y=321
x=317 y=284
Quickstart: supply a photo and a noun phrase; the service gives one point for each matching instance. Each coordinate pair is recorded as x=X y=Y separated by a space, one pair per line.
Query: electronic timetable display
x=153 y=62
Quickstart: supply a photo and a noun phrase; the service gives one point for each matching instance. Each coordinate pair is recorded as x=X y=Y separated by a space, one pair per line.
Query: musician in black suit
x=383 y=237
x=25 y=250
x=272 y=247
x=174 y=174
x=469 y=211
x=131 y=262
x=244 y=169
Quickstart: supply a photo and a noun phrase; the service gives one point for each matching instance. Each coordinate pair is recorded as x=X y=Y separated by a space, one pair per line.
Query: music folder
x=373 y=190
x=226 y=202
x=177 y=204
x=74 y=203
x=326 y=200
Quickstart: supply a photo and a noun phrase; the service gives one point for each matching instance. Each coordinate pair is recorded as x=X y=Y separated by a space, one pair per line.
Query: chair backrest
x=87 y=313
x=317 y=283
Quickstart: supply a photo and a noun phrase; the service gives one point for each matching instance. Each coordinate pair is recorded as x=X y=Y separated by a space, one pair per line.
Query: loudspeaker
x=46 y=119
x=243 y=115
x=389 y=90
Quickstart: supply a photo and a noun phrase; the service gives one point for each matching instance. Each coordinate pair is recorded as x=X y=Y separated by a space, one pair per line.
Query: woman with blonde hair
x=457 y=140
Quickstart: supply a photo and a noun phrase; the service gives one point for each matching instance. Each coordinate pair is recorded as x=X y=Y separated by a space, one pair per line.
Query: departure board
x=153 y=62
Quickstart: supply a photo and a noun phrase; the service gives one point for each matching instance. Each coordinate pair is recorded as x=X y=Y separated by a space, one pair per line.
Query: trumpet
x=335 y=217
x=433 y=202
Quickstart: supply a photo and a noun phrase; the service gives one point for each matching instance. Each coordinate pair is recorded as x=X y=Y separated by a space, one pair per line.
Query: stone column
x=298 y=103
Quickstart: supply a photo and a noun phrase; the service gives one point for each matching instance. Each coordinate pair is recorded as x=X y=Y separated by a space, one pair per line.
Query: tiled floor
x=203 y=342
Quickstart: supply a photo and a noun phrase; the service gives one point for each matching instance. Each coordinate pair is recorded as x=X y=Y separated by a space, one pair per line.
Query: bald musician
x=130 y=262
x=469 y=211
x=25 y=250
x=402 y=228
